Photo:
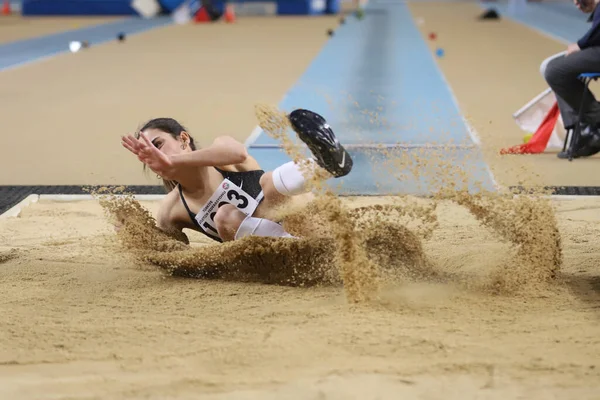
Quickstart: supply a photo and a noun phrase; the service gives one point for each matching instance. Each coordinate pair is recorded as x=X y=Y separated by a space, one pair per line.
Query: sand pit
x=82 y=319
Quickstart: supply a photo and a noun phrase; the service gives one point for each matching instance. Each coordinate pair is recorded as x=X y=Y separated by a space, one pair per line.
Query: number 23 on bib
x=227 y=193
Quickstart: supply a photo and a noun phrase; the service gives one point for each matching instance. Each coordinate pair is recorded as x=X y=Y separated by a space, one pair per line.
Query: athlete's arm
x=224 y=150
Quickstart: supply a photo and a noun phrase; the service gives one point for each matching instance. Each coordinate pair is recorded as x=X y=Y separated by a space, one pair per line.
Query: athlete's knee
x=225 y=215
x=269 y=190
x=227 y=220
x=265 y=180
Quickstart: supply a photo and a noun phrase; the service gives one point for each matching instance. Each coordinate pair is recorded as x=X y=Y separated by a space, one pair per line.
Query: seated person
x=562 y=70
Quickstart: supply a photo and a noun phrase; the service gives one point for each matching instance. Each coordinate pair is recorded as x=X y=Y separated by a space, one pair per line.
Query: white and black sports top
x=240 y=189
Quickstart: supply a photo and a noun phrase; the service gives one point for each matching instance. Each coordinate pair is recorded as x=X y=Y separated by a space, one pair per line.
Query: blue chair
x=587 y=78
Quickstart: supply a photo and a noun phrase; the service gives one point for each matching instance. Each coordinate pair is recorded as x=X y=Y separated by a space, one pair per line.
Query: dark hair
x=173 y=128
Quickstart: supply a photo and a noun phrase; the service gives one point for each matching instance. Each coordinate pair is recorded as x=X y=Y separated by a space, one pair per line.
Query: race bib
x=227 y=193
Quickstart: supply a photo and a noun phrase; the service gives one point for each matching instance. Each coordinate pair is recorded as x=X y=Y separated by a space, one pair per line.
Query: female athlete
x=220 y=190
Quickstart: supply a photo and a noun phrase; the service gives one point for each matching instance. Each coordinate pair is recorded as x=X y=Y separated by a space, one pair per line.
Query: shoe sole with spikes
x=314 y=131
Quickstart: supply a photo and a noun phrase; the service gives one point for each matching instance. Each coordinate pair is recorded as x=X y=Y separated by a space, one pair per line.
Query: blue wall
x=77 y=7
x=123 y=7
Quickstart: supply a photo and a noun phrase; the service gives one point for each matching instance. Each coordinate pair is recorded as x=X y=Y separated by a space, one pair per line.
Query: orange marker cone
x=229 y=13
x=6 y=8
x=202 y=16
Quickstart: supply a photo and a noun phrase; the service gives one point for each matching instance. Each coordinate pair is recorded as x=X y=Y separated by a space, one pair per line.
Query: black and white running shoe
x=313 y=130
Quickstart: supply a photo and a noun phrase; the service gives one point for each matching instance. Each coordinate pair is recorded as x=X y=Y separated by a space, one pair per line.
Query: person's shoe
x=591 y=147
x=313 y=130
x=587 y=145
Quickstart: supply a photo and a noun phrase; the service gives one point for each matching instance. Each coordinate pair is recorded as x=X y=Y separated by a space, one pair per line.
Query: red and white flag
x=540 y=117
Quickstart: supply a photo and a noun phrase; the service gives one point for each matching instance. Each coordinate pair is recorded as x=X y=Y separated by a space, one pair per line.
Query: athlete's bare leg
x=274 y=199
x=232 y=224
x=228 y=220
x=287 y=182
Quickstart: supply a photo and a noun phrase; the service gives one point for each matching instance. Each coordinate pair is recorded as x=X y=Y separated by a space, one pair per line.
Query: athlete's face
x=167 y=143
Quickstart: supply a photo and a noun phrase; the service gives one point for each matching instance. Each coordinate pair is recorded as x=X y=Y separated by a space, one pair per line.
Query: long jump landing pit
x=455 y=316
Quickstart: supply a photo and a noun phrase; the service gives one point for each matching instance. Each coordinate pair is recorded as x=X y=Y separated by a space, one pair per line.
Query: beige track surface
x=67 y=113
x=493 y=69
x=79 y=320
x=16 y=27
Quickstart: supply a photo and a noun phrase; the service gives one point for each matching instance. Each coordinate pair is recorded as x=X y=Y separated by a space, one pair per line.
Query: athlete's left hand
x=147 y=153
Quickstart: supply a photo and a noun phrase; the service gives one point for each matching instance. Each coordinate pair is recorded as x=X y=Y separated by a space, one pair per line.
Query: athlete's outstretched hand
x=147 y=153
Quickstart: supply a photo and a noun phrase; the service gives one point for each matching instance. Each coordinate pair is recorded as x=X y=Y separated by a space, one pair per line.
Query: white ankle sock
x=288 y=178
x=260 y=227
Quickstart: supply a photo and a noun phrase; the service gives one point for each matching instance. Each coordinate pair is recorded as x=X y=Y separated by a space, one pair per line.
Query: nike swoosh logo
x=343 y=160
